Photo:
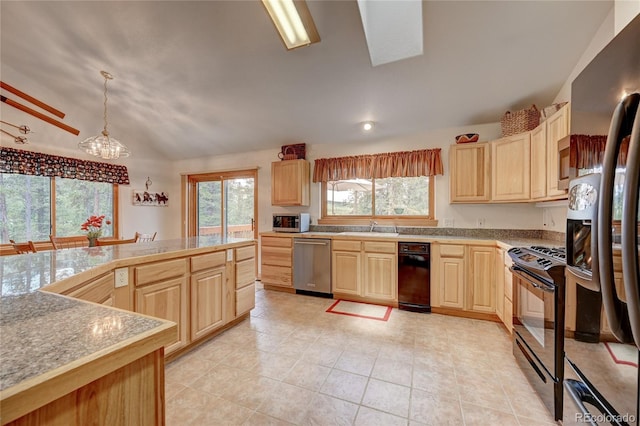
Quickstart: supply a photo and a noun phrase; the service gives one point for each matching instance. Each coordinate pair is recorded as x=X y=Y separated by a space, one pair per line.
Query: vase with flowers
x=93 y=227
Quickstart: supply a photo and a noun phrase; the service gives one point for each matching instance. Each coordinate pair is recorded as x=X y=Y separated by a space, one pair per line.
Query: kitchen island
x=68 y=361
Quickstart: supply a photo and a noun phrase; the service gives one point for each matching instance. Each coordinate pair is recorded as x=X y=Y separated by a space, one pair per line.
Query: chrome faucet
x=395 y=228
x=373 y=223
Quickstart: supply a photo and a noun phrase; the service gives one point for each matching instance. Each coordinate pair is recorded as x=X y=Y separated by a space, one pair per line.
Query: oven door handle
x=521 y=274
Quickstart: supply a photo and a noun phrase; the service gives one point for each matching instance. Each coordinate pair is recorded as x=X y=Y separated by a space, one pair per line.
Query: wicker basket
x=289 y=154
x=520 y=121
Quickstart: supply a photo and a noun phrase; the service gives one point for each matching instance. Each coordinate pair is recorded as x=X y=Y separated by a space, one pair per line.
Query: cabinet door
x=510 y=179
x=539 y=161
x=482 y=296
x=451 y=282
x=166 y=300
x=499 y=267
x=290 y=183
x=207 y=302
x=470 y=173
x=381 y=276
x=345 y=272
x=557 y=128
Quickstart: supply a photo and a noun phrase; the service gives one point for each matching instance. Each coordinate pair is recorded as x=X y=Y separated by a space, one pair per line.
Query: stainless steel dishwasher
x=312 y=266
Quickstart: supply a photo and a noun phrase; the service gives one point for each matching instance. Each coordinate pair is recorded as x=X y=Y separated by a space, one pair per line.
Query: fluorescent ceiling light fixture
x=293 y=22
x=393 y=29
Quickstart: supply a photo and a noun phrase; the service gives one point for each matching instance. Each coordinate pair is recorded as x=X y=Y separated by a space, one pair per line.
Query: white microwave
x=291 y=222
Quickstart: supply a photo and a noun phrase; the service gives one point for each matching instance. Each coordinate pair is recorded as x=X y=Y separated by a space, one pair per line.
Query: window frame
x=403 y=220
x=46 y=244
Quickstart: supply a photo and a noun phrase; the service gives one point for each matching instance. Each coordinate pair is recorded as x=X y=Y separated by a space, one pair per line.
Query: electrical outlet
x=229 y=255
x=448 y=223
x=122 y=277
x=481 y=223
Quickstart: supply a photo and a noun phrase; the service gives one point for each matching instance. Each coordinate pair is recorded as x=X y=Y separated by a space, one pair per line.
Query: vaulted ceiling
x=201 y=78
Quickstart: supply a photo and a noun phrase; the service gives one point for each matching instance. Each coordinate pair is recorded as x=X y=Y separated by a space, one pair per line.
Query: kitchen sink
x=370 y=234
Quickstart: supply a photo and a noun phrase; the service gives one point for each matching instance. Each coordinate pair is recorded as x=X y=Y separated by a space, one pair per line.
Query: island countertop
x=48 y=340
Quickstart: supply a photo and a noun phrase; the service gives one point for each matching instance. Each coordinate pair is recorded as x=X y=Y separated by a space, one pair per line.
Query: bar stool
x=113 y=241
x=69 y=242
x=143 y=238
x=23 y=248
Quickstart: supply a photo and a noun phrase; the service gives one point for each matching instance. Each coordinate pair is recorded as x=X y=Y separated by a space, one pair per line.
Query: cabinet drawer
x=209 y=260
x=160 y=271
x=98 y=291
x=243 y=253
x=343 y=245
x=245 y=299
x=448 y=250
x=380 y=246
x=277 y=275
x=277 y=241
x=279 y=256
x=245 y=272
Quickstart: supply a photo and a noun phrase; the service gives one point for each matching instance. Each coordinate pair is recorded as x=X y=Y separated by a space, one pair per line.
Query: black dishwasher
x=414 y=277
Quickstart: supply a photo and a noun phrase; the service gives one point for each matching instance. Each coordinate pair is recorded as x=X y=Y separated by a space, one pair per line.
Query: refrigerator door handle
x=613 y=307
x=629 y=231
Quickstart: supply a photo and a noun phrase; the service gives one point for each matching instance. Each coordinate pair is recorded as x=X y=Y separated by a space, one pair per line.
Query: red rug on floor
x=623 y=354
x=360 y=310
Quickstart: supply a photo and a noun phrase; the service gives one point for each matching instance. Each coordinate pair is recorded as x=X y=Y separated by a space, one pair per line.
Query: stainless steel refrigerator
x=601 y=372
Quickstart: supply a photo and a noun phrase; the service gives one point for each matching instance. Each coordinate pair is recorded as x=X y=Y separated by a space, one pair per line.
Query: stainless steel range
x=538 y=319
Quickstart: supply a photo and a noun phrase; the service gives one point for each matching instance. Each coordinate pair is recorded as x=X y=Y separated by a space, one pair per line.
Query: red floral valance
x=35 y=163
x=587 y=151
x=425 y=162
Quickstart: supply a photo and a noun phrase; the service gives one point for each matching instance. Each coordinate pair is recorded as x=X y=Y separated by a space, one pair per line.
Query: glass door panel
x=239 y=212
x=209 y=208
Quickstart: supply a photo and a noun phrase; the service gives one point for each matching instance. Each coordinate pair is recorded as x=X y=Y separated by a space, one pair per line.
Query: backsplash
x=498 y=234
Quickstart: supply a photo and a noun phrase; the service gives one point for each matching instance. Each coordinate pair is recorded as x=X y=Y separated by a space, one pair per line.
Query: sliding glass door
x=223 y=204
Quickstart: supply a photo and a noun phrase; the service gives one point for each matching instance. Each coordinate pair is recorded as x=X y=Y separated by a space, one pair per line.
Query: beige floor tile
x=273 y=365
x=344 y=385
x=293 y=347
x=434 y=409
x=524 y=421
x=250 y=392
x=187 y=370
x=259 y=419
x=397 y=351
x=322 y=354
x=172 y=389
x=217 y=379
x=222 y=412
x=325 y=410
x=308 y=376
x=475 y=415
x=185 y=407
x=356 y=362
x=370 y=417
x=242 y=358
x=387 y=397
x=485 y=393
x=526 y=403
x=287 y=402
x=394 y=371
x=435 y=380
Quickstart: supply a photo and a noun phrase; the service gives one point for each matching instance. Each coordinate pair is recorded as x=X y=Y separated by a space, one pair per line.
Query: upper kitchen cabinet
x=539 y=161
x=557 y=128
x=470 y=166
x=290 y=183
x=510 y=172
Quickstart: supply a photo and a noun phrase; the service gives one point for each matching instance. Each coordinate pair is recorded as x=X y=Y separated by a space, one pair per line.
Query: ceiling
x=203 y=78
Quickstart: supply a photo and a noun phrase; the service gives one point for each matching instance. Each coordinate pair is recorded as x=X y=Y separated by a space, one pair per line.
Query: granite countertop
x=43 y=334
x=25 y=273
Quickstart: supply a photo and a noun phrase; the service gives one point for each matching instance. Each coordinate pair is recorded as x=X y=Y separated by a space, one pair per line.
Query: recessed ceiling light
x=367 y=125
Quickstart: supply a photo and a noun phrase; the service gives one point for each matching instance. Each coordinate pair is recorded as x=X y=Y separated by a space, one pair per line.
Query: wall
x=625 y=11
x=522 y=216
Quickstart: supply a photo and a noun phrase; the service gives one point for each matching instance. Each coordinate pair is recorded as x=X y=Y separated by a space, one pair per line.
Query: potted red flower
x=93 y=226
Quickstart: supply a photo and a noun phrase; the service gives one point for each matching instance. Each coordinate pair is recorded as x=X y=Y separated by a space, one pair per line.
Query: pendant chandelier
x=103 y=145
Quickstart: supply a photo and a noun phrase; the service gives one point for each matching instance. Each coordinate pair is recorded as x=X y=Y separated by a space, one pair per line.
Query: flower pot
x=93 y=241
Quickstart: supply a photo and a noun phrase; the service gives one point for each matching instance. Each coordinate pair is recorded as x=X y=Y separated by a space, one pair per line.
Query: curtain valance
x=587 y=151
x=425 y=162
x=35 y=163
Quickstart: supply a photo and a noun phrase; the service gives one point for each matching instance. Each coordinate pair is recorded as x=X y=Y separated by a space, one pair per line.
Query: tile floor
x=293 y=363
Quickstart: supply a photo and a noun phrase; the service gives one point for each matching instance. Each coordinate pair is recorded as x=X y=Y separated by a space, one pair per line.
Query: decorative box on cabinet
x=470 y=180
x=290 y=183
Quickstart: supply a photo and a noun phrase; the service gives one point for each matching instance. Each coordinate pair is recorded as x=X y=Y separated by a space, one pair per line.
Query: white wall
x=502 y=216
x=625 y=11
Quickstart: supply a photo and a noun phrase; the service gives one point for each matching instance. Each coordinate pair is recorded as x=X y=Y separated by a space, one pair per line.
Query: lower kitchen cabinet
x=499 y=266
x=447 y=273
x=481 y=283
x=276 y=255
x=207 y=301
x=245 y=279
x=365 y=270
x=166 y=300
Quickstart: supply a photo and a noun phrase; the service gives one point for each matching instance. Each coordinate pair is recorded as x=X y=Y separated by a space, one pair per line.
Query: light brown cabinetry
x=557 y=128
x=208 y=290
x=507 y=317
x=510 y=168
x=447 y=275
x=499 y=274
x=167 y=300
x=539 y=161
x=290 y=183
x=276 y=261
x=470 y=173
x=365 y=270
x=245 y=280
x=481 y=282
